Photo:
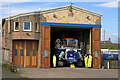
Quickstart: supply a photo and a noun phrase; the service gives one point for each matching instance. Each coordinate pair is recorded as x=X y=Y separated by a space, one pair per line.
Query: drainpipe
x=40 y=44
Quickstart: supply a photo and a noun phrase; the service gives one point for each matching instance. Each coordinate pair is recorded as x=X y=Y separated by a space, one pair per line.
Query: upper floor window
x=36 y=27
x=27 y=26
x=16 y=26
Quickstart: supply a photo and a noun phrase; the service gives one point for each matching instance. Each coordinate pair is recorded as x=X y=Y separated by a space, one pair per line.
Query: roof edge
x=87 y=10
x=53 y=10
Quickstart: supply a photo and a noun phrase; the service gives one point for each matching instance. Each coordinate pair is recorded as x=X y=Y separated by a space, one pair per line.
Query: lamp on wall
x=54 y=15
x=88 y=17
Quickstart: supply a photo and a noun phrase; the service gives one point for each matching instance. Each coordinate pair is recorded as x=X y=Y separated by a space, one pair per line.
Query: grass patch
x=109 y=46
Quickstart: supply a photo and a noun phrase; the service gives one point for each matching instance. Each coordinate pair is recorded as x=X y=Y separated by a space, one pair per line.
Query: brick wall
x=7 y=38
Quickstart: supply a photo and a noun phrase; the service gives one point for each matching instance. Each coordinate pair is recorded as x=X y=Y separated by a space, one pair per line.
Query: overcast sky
x=108 y=9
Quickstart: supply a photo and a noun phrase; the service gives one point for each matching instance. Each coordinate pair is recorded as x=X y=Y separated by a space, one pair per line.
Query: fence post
x=108 y=64
x=20 y=68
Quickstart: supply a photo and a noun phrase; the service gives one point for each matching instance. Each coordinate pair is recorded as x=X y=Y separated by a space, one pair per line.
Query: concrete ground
x=68 y=73
x=8 y=74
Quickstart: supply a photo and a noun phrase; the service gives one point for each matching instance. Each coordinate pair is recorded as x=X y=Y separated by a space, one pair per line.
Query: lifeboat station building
x=28 y=39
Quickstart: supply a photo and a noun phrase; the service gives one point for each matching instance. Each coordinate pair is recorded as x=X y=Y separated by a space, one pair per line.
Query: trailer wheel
x=60 y=63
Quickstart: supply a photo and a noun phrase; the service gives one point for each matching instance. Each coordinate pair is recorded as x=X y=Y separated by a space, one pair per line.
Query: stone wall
x=77 y=18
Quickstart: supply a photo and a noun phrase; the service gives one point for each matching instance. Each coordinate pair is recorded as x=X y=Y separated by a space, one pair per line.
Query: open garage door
x=45 y=46
x=88 y=36
x=80 y=34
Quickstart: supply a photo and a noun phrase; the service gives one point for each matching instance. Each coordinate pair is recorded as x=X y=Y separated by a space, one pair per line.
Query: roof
x=55 y=10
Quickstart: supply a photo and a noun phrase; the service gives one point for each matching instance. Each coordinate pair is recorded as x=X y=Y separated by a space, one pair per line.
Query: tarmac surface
x=68 y=73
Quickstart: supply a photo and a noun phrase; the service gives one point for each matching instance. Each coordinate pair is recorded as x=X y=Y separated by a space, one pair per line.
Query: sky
x=108 y=9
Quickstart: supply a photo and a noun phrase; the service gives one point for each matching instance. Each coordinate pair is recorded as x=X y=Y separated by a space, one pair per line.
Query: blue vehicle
x=68 y=51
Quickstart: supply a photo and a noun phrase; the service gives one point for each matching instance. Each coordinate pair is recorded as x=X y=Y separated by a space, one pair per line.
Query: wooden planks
x=45 y=46
x=22 y=53
x=28 y=53
x=25 y=49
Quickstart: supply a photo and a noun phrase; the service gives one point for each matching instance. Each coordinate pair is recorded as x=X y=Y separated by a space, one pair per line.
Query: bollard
x=20 y=68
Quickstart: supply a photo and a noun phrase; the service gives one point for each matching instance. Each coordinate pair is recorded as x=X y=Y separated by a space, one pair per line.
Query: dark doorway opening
x=81 y=34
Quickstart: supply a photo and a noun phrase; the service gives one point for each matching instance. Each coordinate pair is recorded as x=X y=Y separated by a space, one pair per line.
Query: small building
x=29 y=40
x=107 y=42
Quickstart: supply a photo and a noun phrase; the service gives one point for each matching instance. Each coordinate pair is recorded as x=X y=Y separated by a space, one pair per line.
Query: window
x=21 y=52
x=36 y=27
x=34 y=52
x=28 y=52
x=16 y=26
x=27 y=26
x=46 y=52
x=96 y=53
x=15 y=52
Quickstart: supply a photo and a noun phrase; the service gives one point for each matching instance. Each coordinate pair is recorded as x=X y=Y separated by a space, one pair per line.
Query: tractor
x=68 y=52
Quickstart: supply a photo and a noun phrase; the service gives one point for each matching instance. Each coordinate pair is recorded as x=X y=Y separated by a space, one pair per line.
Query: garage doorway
x=81 y=34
